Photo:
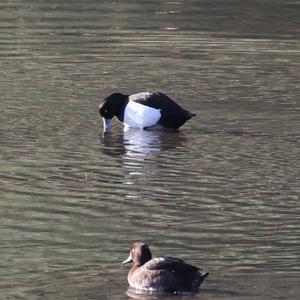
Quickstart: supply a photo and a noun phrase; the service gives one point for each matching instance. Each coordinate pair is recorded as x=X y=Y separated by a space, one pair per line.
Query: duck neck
x=120 y=114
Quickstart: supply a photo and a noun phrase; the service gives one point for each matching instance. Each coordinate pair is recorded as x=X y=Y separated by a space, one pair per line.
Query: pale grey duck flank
x=165 y=274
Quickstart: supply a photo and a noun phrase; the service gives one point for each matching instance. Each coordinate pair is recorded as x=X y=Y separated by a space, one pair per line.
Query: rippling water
x=222 y=193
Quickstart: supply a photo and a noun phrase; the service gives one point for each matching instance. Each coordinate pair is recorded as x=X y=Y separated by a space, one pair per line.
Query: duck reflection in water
x=135 y=142
x=134 y=294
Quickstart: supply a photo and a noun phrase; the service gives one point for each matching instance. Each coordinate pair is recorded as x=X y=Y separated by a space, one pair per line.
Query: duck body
x=164 y=274
x=143 y=110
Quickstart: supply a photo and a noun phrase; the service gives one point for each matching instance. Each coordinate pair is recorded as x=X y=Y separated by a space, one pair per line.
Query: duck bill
x=106 y=123
x=128 y=260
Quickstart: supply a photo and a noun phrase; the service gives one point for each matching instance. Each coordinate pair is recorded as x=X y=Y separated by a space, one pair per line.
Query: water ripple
x=222 y=193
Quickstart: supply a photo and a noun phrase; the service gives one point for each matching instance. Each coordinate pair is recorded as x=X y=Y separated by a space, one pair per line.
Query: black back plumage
x=172 y=115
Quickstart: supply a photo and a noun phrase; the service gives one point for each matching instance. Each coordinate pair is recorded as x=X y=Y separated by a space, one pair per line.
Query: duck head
x=111 y=106
x=139 y=254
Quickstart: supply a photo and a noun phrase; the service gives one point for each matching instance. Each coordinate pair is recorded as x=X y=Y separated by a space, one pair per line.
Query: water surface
x=222 y=193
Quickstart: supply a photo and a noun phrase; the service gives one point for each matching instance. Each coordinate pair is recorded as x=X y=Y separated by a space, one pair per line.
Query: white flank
x=140 y=116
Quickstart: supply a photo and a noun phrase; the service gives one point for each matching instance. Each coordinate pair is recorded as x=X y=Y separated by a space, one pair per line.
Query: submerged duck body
x=164 y=274
x=143 y=110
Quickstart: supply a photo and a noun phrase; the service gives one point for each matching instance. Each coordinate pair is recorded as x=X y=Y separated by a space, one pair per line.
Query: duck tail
x=190 y=115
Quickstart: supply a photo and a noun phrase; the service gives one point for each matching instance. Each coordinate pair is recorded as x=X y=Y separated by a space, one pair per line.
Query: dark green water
x=222 y=193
